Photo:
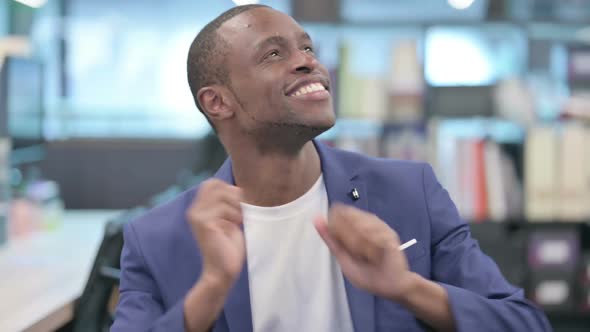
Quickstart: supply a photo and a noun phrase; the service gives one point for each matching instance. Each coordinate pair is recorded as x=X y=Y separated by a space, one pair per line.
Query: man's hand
x=367 y=250
x=215 y=217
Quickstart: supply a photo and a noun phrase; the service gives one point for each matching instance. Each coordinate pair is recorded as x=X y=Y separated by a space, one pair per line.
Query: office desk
x=43 y=274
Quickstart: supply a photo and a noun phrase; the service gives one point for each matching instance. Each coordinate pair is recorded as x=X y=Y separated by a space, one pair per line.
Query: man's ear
x=215 y=103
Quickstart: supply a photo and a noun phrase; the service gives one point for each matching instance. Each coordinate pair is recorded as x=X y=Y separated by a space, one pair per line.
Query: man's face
x=282 y=89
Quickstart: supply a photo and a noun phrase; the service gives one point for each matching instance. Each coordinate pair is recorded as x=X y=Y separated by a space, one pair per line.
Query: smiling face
x=282 y=92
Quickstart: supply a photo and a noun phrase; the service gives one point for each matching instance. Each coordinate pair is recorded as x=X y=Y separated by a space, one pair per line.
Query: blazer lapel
x=237 y=306
x=340 y=181
x=237 y=309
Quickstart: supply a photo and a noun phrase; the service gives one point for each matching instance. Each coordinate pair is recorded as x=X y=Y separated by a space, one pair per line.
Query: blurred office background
x=495 y=94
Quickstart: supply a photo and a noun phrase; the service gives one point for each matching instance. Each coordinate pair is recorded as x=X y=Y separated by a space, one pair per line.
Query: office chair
x=91 y=312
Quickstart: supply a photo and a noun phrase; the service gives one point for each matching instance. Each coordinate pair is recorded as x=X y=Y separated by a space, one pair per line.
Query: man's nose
x=304 y=62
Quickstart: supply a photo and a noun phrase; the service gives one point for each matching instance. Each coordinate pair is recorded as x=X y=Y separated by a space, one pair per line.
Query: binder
x=496 y=195
x=540 y=171
x=574 y=183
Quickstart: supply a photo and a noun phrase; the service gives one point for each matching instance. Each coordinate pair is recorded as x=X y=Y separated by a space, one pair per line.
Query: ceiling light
x=245 y=2
x=32 y=3
x=461 y=4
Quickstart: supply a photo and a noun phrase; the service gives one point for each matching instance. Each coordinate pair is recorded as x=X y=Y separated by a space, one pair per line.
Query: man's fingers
x=347 y=213
x=344 y=258
x=231 y=213
x=344 y=230
x=231 y=195
x=358 y=232
x=321 y=226
x=217 y=190
x=217 y=199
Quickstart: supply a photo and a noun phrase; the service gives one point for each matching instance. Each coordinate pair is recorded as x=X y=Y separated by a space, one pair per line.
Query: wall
x=118 y=174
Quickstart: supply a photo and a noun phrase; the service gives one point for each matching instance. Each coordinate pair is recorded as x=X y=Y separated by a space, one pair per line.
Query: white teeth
x=309 y=88
x=319 y=87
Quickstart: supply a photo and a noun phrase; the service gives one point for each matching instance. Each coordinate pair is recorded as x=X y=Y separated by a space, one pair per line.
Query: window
x=126 y=68
x=464 y=56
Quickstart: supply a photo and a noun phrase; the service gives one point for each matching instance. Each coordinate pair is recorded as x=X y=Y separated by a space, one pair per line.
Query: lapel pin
x=355 y=194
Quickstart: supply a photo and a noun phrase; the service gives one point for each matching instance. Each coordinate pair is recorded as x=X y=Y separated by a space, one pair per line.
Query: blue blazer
x=161 y=261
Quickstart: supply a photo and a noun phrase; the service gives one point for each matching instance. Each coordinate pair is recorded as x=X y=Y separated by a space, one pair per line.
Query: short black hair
x=206 y=56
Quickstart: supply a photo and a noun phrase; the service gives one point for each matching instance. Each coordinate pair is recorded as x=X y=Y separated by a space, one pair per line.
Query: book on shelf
x=392 y=98
x=467 y=179
x=557 y=173
x=360 y=96
x=540 y=173
x=574 y=178
x=496 y=195
x=480 y=184
x=443 y=157
x=406 y=84
x=479 y=175
x=404 y=142
x=366 y=144
x=348 y=101
x=513 y=191
x=372 y=98
x=407 y=76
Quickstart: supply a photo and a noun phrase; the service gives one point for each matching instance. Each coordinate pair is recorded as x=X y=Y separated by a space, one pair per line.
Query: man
x=291 y=235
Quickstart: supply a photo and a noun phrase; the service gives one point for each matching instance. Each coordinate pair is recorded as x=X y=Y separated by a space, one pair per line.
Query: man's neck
x=275 y=179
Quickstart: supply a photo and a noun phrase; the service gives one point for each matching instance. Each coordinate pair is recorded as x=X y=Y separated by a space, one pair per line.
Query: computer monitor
x=22 y=107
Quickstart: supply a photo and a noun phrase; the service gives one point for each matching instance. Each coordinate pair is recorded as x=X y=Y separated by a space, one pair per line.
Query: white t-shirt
x=295 y=283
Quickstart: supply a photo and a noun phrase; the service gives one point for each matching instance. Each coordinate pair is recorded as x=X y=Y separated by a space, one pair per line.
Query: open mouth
x=308 y=88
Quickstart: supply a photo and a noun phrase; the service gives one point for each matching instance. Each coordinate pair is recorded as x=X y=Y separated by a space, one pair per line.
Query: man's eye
x=308 y=49
x=273 y=54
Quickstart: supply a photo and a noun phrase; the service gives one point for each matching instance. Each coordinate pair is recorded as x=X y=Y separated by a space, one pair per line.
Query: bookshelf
x=515 y=234
x=487 y=119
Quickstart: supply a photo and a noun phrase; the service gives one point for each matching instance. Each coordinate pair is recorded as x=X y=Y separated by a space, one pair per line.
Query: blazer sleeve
x=480 y=298
x=140 y=305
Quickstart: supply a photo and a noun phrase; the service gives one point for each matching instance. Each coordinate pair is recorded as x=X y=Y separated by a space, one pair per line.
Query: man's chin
x=301 y=132
x=323 y=127
x=318 y=126
x=315 y=132
x=323 y=120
